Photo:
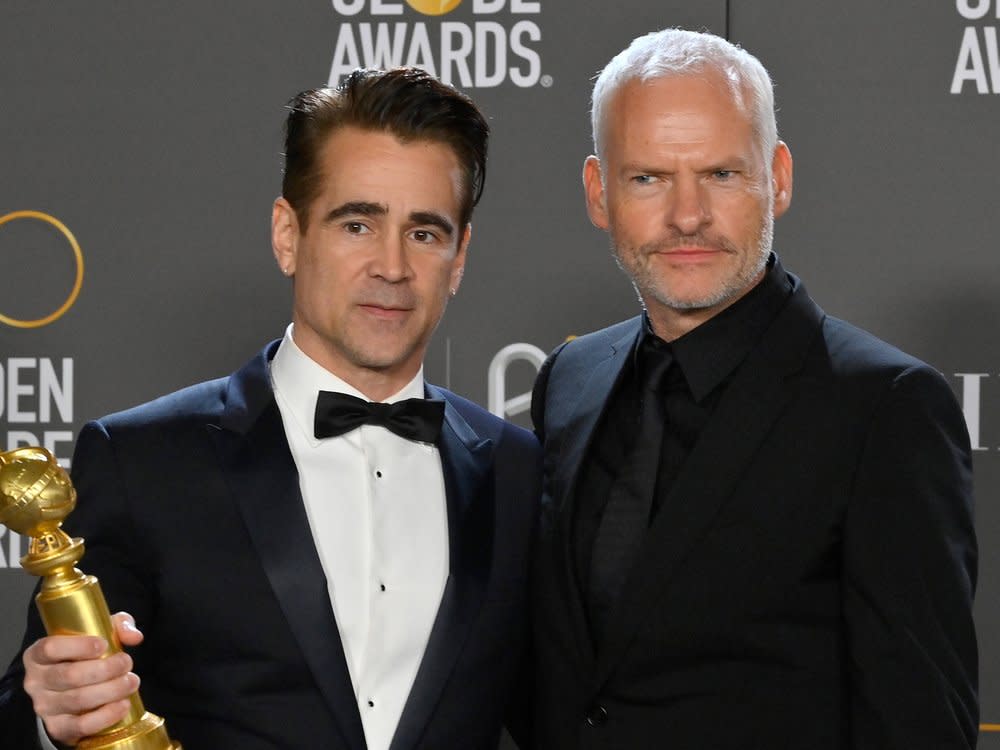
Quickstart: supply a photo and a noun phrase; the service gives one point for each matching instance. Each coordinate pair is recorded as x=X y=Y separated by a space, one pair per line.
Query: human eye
x=356 y=227
x=643 y=179
x=424 y=236
x=723 y=174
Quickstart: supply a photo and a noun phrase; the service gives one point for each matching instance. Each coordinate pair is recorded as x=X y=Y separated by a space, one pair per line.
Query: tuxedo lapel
x=594 y=391
x=466 y=461
x=752 y=402
x=256 y=461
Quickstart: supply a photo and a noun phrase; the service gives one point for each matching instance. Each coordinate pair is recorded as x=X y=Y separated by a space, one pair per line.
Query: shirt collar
x=710 y=353
x=297 y=380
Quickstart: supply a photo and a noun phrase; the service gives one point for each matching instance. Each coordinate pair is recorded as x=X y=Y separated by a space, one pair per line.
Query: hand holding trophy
x=36 y=495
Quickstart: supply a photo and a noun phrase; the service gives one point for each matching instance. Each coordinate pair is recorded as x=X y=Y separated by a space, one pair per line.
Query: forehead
x=682 y=110
x=376 y=166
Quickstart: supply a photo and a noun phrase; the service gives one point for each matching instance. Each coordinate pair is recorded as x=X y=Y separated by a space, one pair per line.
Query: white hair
x=675 y=52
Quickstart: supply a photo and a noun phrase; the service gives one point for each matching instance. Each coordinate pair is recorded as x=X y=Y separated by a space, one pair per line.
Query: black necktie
x=626 y=515
x=414 y=418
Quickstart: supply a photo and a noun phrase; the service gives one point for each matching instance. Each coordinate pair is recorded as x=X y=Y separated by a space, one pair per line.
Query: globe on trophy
x=36 y=495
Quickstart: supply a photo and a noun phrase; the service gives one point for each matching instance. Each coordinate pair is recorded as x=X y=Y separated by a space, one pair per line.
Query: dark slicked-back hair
x=408 y=103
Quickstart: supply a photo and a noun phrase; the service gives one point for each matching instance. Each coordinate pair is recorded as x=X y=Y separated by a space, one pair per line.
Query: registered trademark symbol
x=546 y=81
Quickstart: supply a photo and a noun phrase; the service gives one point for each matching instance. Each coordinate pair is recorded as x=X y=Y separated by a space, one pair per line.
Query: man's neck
x=670 y=323
x=376 y=384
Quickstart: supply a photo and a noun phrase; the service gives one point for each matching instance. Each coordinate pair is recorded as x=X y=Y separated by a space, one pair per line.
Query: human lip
x=386 y=312
x=690 y=253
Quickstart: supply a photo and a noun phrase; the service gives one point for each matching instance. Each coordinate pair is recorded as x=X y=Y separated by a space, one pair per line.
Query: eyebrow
x=367 y=208
x=740 y=163
x=733 y=162
x=356 y=208
x=433 y=219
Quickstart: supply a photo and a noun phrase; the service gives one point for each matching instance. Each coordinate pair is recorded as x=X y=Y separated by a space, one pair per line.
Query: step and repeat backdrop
x=140 y=151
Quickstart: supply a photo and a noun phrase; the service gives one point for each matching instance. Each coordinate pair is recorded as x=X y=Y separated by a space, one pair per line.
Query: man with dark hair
x=757 y=526
x=407 y=103
x=322 y=549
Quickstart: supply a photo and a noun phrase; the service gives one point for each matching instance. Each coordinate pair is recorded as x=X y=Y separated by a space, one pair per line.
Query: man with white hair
x=757 y=529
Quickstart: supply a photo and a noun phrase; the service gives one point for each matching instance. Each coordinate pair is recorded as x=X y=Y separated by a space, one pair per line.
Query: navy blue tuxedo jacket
x=807 y=581
x=193 y=521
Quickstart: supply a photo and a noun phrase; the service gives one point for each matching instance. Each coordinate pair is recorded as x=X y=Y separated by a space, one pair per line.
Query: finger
x=125 y=627
x=79 y=701
x=71 y=675
x=67 y=729
x=54 y=649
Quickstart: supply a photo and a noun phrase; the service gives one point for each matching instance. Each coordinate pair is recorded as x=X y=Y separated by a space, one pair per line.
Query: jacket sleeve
x=909 y=574
x=17 y=718
x=538 y=393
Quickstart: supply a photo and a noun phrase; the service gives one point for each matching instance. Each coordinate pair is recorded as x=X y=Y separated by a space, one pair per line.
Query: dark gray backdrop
x=153 y=132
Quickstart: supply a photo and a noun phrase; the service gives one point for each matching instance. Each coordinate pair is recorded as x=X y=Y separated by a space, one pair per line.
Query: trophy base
x=148 y=733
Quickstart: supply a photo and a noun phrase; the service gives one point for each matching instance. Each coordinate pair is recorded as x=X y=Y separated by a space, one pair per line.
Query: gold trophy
x=36 y=495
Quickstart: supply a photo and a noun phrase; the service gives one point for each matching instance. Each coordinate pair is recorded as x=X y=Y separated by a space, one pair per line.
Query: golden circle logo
x=77 y=283
x=434 y=7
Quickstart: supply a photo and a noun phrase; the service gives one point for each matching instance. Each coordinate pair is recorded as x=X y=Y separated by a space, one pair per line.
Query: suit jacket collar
x=256 y=460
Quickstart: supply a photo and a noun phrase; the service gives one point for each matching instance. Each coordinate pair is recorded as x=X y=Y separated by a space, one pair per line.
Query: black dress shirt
x=706 y=359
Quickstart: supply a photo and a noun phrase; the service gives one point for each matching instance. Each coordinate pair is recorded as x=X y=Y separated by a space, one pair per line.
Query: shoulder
x=167 y=425
x=239 y=396
x=579 y=354
x=194 y=403
x=485 y=423
x=857 y=355
x=834 y=354
x=872 y=379
x=569 y=367
x=599 y=344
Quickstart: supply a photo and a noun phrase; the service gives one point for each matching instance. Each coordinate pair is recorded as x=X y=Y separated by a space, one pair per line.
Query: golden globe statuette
x=35 y=497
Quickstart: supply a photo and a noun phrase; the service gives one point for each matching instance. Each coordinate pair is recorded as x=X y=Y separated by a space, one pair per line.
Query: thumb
x=124 y=625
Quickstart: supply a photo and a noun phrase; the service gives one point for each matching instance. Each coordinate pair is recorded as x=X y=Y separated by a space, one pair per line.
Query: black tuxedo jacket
x=193 y=521
x=808 y=579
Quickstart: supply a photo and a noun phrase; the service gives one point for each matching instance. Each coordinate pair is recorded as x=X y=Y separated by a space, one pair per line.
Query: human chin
x=374 y=343
x=674 y=297
x=695 y=291
x=379 y=355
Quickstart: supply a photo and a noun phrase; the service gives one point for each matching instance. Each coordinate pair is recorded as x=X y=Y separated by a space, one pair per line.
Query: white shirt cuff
x=43 y=737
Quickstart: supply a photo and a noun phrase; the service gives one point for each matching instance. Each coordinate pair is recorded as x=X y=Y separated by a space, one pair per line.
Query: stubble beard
x=648 y=286
x=380 y=346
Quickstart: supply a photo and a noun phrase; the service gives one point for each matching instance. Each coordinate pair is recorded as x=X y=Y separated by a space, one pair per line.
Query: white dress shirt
x=377 y=510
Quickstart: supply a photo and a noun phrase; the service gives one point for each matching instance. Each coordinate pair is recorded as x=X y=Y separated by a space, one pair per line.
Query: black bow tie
x=414 y=418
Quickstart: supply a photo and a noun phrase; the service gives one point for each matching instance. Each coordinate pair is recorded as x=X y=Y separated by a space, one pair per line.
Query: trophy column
x=35 y=497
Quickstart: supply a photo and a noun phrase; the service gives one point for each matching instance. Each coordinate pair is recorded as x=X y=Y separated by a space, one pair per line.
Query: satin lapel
x=256 y=460
x=466 y=460
x=579 y=432
x=750 y=405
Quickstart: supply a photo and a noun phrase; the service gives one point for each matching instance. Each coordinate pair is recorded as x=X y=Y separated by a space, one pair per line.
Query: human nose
x=689 y=206
x=390 y=261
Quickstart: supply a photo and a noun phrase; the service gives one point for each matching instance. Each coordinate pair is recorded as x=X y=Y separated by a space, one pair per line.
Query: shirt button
x=597 y=715
x=378 y=474
x=371 y=704
x=381 y=587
